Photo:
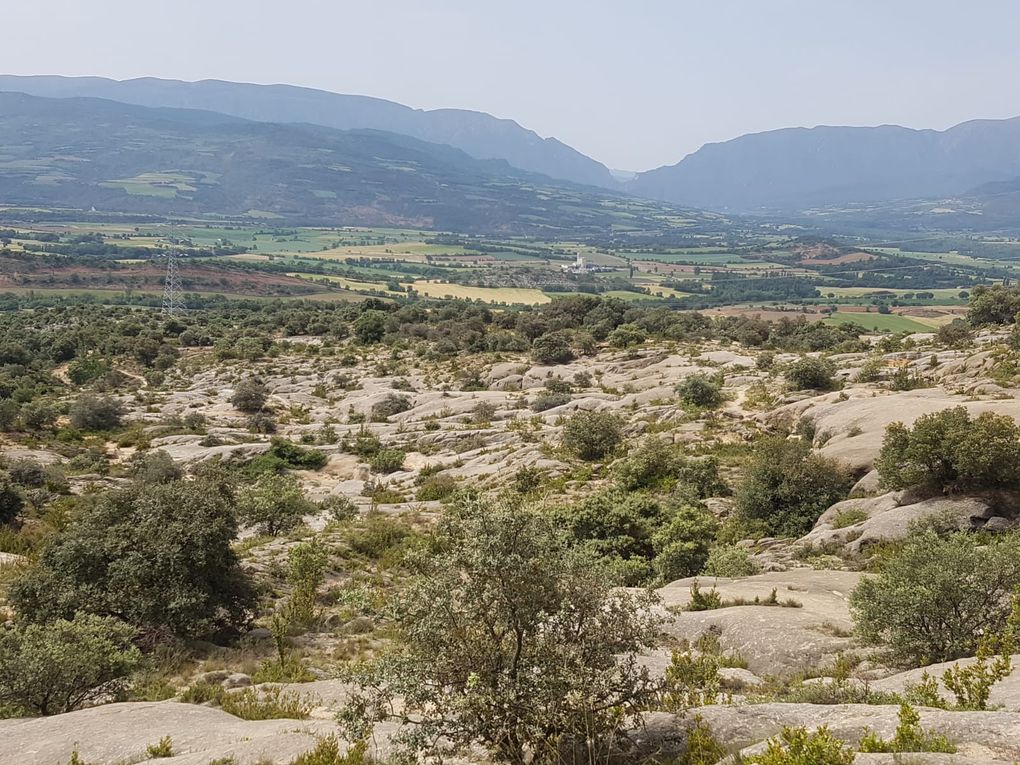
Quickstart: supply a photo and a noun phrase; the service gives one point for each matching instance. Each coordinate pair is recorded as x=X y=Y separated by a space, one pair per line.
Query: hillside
x=808 y=167
x=85 y=153
x=478 y=134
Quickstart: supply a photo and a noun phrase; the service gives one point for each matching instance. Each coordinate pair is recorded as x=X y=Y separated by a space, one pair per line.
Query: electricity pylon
x=173 y=295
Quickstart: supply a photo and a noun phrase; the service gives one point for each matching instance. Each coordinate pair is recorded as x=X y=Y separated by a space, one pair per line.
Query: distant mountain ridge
x=797 y=168
x=478 y=134
x=84 y=153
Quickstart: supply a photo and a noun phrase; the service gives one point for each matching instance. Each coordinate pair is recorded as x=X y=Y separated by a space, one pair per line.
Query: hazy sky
x=633 y=83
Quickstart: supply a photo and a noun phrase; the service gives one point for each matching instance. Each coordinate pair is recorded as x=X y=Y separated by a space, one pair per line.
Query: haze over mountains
x=780 y=170
x=84 y=152
x=480 y=135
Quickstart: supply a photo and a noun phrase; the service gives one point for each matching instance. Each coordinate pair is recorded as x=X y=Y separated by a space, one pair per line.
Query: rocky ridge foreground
x=443 y=427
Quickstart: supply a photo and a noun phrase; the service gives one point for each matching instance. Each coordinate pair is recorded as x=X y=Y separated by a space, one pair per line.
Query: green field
x=509 y=295
x=881 y=322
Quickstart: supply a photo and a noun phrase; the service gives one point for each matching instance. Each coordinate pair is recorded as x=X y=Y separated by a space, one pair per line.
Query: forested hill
x=479 y=134
x=83 y=153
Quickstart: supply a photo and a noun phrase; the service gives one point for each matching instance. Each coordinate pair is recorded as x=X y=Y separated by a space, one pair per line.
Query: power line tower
x=173 y=295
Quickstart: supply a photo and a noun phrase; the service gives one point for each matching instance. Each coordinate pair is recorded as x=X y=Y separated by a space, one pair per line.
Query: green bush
x=11 y=501
x=436 y=487
x=949 y=450
x=158 y=557
x=701 y=391
x=810 y=373
x=64 y=665
x=909 y=737
x=273 y=503
x=993 y=304
x=552 y=348
x=387 y=460
x=730 y=561
x=393 y=403
x=797 y=746
x=638 y=535
x=592 y=435
x=249 y=396
x=95 y=413
x=787 y=487
x=548 y=400
x=934 y=598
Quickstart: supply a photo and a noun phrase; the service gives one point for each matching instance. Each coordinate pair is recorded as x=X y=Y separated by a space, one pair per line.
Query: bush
x=64 y=665
x=436 y=487
x=701 y=391
x=548 y=400
x=787 y=488
x=796 y=746
x=95 y=413
x=993 y=304
x=934 y=598
x=158 y=557
x=552 y=658
x=387 y=460
x=250 y=396
x=11 y=501
x=810 y=373
x=296 y=457
x=909 y=737
x=955 y=334
x=552 y=348
x=273 y=503
x=394 y=403
x=949 y=450
x=272 y=703
x=730 y=561
x=155 y=467
x=592 y=435
x=339 y=508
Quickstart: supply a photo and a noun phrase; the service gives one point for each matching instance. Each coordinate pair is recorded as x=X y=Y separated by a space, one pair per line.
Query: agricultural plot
x=495 y=295
x=880 y=322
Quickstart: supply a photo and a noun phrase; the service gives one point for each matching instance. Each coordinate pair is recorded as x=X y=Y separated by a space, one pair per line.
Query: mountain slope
x=480 y=135
x=84 y=153
x=807 y=167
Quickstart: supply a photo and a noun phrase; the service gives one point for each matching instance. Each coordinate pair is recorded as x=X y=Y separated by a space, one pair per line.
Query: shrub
x=909 y=737
x=787 y=487
x=95 y=413
x=592 y=435
x=542 y=609
x=306 y=571
x=993 y=304
x=163 y=748
x=250 y=396
x=796 y=746
x=327 y=752
x=703 y=601
x=61 y=666
x=548 y=400
x=378 y=534
x=552 y=348
x=393 y=403
x=849 y=517
x=810 y=373
x=682 y=543
x=701 y=391
x=935 y=597
x=730 y=561
x=11 y=501
x=339 y=508
x=158 y=557
x=955 y=334
x=155 y=467
x=273 y=503
x=387 y=460
x=692 y=680
x=271 y=703
x=436 y=487
x=293 y=456
x=948 y=449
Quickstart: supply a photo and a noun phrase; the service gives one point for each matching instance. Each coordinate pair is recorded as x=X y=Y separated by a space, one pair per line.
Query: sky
x=633 y=83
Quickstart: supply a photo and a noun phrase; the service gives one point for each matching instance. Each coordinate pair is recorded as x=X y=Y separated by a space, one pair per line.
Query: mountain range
x=776 y=171
x=85 y=153
x=480 y=135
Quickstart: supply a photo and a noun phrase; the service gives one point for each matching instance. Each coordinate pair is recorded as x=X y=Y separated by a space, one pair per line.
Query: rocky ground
x=473 y=418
